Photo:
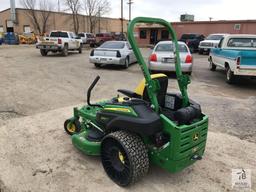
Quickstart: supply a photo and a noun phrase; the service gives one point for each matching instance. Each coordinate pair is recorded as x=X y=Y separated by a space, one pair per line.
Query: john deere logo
x=195 y=136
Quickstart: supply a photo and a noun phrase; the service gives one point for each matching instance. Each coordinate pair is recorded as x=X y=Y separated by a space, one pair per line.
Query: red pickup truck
x=103 y=37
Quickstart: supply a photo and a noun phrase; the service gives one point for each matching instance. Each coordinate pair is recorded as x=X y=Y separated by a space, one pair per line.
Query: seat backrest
x=163 y=82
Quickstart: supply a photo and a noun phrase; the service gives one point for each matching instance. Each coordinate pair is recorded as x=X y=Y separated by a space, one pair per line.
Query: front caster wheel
x=72 y=126
x=124 y=157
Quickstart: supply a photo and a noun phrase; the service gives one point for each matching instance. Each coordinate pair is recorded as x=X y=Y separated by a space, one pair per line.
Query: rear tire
x=126 y=63
x=230 y=77
x=192 y=49
x=65 y=50
x=212 y=66
x=124 y=157
x=97 y=65
x=43 y=52
x=80 y=50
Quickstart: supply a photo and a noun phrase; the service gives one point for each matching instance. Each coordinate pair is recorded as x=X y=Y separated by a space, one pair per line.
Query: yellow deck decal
x=118 y=109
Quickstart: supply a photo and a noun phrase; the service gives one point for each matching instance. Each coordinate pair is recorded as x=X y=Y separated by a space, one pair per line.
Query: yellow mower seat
x=163 y=82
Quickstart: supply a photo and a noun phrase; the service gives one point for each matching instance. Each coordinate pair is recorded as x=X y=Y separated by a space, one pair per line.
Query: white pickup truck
x=59 y=41
x=236 y=54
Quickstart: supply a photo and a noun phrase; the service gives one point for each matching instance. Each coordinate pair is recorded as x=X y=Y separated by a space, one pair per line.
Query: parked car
x=113 y=52
x=87 y=38
x=27 y=38
x=210 y=42
x=236 y=54
x=103 y=37
x=120 y=37
x=11 y=38
x=162 y=57
x=1 y=38
x=192 y=40
x=60 y=41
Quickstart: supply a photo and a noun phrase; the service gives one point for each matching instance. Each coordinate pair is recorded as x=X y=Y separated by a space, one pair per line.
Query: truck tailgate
x=49 y=41
x=248 y=58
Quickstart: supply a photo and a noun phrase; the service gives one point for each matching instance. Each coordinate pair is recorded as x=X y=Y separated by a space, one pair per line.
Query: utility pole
x=99 y=18
x=122 y=16
x=130 y=8
x=58 y=5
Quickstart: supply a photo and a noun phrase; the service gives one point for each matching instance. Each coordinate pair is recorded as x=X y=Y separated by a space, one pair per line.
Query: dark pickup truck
x=192 y=40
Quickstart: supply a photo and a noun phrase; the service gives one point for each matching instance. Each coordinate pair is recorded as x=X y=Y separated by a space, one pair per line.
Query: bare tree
x=74 y=6
x=46 y=8
x=38 y=13
x=94 y=9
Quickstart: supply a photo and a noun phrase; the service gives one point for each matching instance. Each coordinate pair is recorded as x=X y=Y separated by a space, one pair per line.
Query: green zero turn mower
x=147 y=125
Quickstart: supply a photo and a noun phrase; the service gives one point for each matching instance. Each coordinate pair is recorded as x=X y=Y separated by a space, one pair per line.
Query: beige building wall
x=61 y=21
x=4 y=16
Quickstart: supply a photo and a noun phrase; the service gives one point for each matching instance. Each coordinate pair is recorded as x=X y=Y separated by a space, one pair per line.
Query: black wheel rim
x=117 y=167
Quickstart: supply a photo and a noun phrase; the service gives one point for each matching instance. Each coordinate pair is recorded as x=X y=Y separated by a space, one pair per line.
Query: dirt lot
x=37 y=95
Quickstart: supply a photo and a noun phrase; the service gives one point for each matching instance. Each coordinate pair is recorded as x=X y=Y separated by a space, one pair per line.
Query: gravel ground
x=38 y=156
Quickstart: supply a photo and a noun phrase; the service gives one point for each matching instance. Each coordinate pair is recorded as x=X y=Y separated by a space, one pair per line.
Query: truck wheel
x=100 y=43
x=65 y=50
x=43 y=52
x=124 y=157
x=230 y=77
x=212 y=66
x=80 y=49
x=72 y=126
x=192 y=49
x=97 y=65
x=126 y=63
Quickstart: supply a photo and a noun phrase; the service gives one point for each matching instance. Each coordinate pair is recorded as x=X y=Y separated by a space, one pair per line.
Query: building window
x=143 y=34
x=237 y=27
x=164 y=34
x=26 y=29
x=1 y=28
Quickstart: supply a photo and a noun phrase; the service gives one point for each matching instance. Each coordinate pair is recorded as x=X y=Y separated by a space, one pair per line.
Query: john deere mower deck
x=147 y=125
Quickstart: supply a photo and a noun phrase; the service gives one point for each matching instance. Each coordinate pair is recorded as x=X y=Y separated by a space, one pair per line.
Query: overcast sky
x=172 y=9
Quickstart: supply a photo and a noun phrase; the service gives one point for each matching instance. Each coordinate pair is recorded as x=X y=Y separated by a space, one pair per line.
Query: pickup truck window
x=59 y=34
x=242 y=42
x=81 y=34
x=88 y=35
x=214 y=37
x=99 y=35
x=188 y=36
x=221 y=42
